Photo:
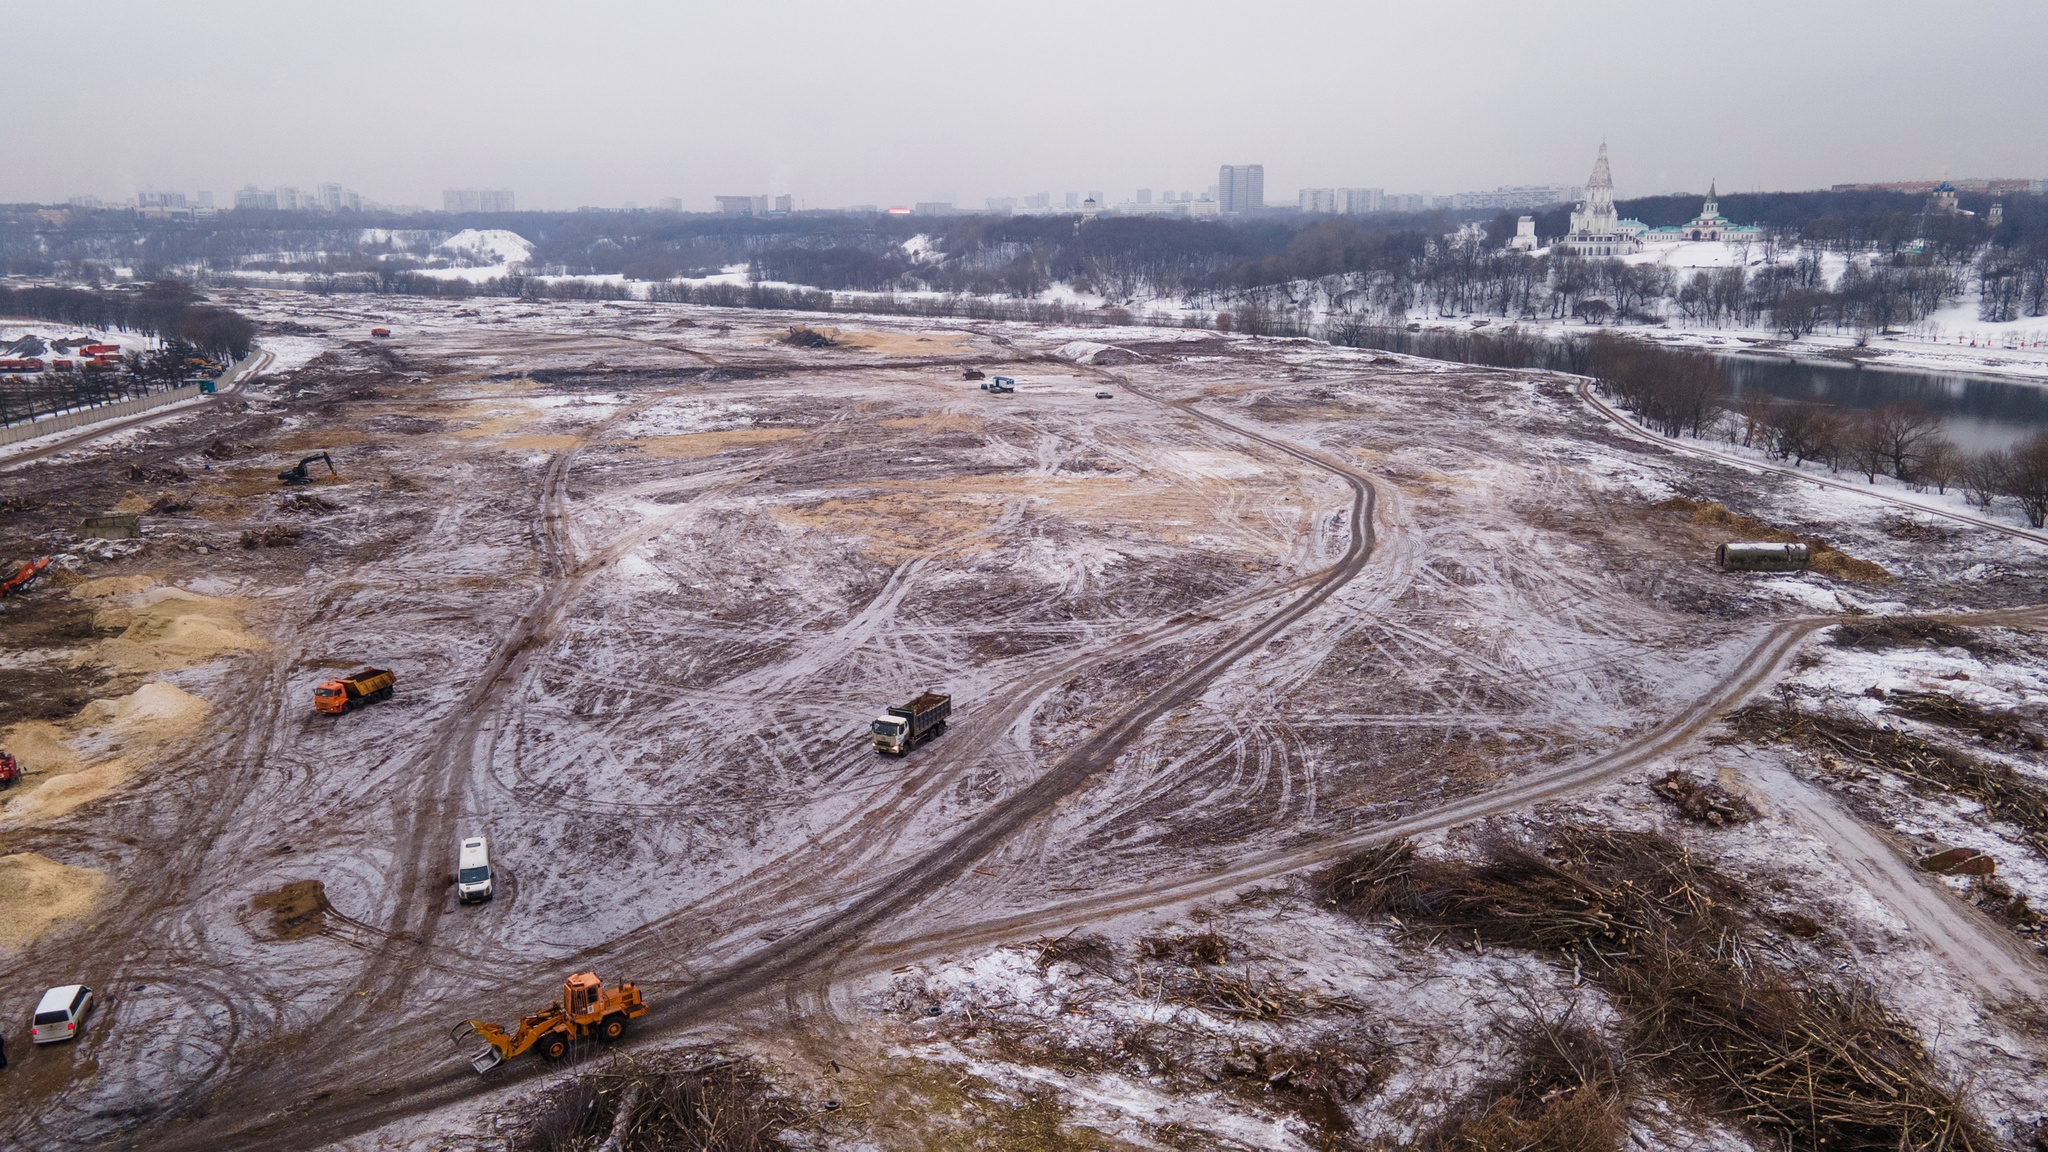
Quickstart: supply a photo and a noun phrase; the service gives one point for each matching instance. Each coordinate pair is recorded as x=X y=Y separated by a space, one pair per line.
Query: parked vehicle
x=10 y=771
x=900 y=729
x=380 y=332
x=1105 y=395
x=60 y=1013
x=1764 y=556
x=586 y=1009
x=1001 y=384
x=348 y=693
x=473 y=871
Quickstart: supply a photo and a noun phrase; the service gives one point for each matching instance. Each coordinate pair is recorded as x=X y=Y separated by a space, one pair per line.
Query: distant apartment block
x=250 y=196
x=742 y=205
x=477 y=200
x=668 y=204
x=785 y=204
x=1038 y=200
x=1317 y=200
x=1074 y=201
x=1410 y=202
x=932 y=208
x=1359 y=201
x=86 y=202
x=1241 y=188
x=1519 y=198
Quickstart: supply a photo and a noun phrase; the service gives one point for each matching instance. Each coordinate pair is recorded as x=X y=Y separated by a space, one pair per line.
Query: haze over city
x=904 y=102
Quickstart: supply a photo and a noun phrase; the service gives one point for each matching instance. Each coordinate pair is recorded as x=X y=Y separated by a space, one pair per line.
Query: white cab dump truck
x=900 y=729
x=1763 y=556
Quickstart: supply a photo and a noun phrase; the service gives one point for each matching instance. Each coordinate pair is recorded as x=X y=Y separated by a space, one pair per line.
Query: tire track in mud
x=1759 y=666
x=806 y=949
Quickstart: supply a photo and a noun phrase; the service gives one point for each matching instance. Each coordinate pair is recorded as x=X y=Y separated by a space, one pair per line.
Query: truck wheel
x=614 y=1026
x=554 y=1047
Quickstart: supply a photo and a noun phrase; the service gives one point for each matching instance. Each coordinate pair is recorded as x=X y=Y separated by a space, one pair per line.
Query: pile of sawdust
x=36 y=893
x=171 y=628
x=107 y=586
x=694 y=445
x=56 y=779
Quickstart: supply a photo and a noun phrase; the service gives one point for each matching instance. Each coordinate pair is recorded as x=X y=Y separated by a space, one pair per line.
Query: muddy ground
x=646 y=572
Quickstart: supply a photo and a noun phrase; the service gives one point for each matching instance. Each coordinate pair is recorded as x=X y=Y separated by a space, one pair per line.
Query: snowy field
x=646 y=572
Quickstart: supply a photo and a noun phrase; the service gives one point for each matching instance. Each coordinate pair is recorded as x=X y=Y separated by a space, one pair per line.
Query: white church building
x=1595 y=231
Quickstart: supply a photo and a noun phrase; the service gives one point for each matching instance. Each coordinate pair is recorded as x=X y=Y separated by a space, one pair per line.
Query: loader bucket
x=484 y=1058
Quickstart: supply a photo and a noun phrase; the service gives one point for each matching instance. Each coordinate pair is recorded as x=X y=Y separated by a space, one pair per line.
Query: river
x=1977 y=412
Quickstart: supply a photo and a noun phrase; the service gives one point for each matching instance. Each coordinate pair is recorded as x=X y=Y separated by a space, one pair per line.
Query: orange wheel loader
x=586 y=1009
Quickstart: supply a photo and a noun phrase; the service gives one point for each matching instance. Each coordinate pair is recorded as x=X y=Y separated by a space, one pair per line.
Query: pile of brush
x=1797 y=1059
x=1703 y=801
x=653 y=1105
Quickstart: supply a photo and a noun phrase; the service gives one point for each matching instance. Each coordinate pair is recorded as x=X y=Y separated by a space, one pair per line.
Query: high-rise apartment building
x=477 y=200
x=1241 y=188
x=1317 y=200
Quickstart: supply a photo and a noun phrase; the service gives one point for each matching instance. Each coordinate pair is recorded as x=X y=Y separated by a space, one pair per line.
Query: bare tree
x=2026 y=477
x=1941 y=464
x=1901 y=433
x=1984 y=476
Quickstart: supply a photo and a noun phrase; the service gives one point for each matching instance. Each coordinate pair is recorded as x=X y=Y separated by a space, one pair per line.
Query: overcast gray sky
x=572 y=103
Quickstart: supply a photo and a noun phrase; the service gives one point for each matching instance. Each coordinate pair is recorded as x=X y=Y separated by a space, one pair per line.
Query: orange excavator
x=24 y=576
x=586 y=1009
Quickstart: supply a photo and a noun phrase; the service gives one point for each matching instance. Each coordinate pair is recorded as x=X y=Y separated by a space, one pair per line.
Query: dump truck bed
x=926 y=703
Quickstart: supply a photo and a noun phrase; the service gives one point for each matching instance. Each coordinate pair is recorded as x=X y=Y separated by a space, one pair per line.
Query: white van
x=473 y=871
x=60 y=1013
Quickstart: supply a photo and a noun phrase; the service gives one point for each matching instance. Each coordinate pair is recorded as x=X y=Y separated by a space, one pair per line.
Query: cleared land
x=646 y=572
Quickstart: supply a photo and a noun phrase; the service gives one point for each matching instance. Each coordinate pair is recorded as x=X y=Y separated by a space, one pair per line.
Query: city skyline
x=404 y=118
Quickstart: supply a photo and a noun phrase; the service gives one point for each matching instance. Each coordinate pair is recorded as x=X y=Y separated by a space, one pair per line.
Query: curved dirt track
x=818 y=943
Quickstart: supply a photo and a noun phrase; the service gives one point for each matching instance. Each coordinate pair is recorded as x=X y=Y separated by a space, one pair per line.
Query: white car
x=60 y=1013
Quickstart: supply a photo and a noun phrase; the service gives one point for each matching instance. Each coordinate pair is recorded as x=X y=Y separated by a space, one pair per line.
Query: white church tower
x=1595 y=231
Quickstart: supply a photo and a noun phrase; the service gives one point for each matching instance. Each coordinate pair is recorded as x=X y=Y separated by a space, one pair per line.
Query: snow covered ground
x=646 y=571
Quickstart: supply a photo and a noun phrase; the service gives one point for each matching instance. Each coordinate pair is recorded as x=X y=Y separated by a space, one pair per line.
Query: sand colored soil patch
x=248 y=481
x=134 y=503
x=497 y=425
x=39 y=748
x=539 y=443
x=693 y=445
x=56 y=779
x=171 y=628
x=1826 y=560
x=901 y=343
x=37 y=893
x=896 y=526
x=937 y=422
x=297 y=910
x=321 y=440
x=107 y=586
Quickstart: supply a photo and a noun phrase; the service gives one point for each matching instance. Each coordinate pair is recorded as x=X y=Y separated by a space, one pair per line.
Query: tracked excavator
x=586 y=1009
x=297 y=474
x=24 y=576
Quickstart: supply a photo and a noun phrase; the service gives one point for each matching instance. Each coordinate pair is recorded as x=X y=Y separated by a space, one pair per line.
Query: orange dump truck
x=365 y=687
